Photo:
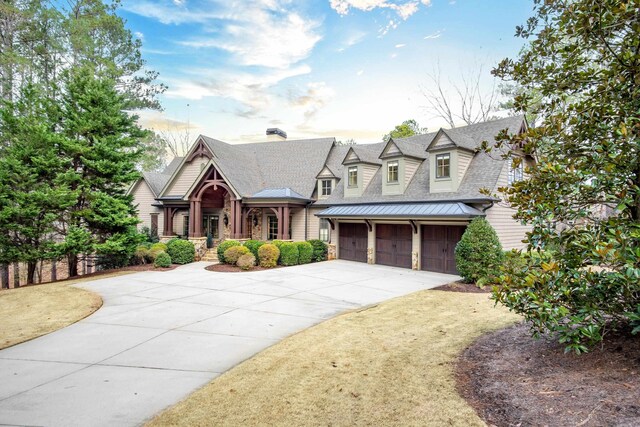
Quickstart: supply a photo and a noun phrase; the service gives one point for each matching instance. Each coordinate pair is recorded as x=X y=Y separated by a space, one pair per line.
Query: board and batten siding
x=367 y=173
x=186 y=177
x=464 y=160
x=443 y=140
x=410 y=168
x=144 y=199
x=510 y=231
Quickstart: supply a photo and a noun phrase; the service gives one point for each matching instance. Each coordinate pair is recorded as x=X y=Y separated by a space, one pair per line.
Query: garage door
x=393 y=245
x=438 y=245
x=353 y=242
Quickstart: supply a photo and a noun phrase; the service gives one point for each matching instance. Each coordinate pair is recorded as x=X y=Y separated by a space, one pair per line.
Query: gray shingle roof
x=367 y=153
x=402 y=210
x=171 y=167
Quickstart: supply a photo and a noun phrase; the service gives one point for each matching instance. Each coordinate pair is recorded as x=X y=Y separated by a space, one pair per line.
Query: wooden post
x=232 y=219
x=197 y=227
x=285 y=232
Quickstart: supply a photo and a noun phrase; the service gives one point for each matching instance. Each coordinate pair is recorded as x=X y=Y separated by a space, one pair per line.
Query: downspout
x=306 y=222
x=491 y=203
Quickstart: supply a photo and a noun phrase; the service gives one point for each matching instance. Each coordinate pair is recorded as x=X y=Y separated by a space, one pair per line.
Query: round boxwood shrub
x=181 y=251
x=268 y=255
x=162 y=260
x=289 y=254
x=305 y=252
x=222 y=247
x=141 y=255
x=320 y=250
x=162 y=246
x=253 y=246
x=232 y=254
x=479 y=253
x=246 y=261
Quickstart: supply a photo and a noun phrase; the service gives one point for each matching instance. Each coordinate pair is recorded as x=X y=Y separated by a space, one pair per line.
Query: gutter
x=491 y=203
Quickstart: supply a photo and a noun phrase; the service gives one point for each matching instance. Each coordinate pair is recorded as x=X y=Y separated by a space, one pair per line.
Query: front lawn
x=390 y=364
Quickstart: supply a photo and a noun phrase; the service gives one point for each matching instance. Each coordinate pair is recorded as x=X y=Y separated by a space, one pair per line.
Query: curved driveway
x=161 y=335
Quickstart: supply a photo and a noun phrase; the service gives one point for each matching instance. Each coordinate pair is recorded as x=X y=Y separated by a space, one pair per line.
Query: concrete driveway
x=161 y=335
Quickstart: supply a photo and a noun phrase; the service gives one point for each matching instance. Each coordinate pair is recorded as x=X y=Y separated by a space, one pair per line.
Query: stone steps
x=210 y=256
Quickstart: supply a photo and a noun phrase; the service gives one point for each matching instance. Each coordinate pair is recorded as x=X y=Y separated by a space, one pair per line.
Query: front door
x=210 y=225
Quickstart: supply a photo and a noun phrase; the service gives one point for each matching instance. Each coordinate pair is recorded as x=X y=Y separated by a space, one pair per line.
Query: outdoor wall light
x=255 y=221
x=225 y=220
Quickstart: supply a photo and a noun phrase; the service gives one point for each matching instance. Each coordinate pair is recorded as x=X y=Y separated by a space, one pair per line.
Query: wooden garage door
x=438 y=245
x=393 y=245
x=353 y=242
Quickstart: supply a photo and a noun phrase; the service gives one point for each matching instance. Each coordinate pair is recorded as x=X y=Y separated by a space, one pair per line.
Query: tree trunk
x=72 y=260
x=54 y=272
x=31 y=271
x=4 y=276
x=16 y=275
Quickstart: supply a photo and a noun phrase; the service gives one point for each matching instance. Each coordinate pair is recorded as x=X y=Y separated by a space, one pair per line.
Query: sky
x=349 y=69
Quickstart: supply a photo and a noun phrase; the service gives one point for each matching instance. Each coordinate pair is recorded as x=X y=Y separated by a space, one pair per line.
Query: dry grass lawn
x=390 y=364
x=32 y=311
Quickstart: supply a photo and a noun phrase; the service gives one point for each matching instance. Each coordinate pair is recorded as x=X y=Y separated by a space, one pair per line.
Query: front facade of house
x=403 y=203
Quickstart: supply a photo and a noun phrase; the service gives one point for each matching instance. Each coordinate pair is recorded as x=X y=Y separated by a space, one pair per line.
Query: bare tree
x=177 y=140
x=466 y=100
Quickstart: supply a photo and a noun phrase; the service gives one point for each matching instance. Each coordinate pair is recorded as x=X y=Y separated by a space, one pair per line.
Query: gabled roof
x=155 y=181
x=404 y=148
x=361 y=154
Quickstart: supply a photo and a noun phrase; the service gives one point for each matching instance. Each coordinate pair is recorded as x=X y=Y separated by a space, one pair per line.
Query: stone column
x=416 y=244
x=371 y=245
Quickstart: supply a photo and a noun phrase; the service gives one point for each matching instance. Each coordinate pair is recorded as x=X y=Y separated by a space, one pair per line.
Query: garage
x=437 y=247
x=353 y=241
x=393 y=245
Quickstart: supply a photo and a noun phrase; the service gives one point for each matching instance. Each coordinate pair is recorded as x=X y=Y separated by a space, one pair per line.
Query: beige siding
x=443 y=140
x=313 y=224
x=391 y=149
x=186 y=177
x=144 y=198
x=178 y=222
x=297 y=225
x=510 y=231
x=352 y=155
x=410 y=167
x=464 y=159
x=367 y=173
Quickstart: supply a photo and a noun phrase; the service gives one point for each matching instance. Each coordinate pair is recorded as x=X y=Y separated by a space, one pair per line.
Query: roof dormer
x=450 y=154
x=400 y=161
x=359 y=167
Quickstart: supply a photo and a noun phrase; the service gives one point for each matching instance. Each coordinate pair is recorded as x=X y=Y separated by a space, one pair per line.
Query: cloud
x=360 y=72
x=313 y=99
x=171 y=12
x=403 y=9
x=435 y=35
x=351 y=40
x=400 y=45
x=139 y=35
x=159 y=122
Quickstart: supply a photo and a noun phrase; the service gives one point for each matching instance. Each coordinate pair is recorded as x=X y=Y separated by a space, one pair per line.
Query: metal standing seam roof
x=402 y=210
x=278 y=193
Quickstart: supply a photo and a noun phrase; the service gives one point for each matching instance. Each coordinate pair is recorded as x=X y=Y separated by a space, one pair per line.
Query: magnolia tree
x=583 y=195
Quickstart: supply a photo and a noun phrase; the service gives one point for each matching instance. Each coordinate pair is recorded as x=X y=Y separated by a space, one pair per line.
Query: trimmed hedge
x=305 y=252
x=181 y=251
x=246 y=261
x=479 y=253
x=289 y=254
x=162 y=260
x=320 y=250
x=253 y=246
x=232 y=254
x=222 y=247
x=268 y=255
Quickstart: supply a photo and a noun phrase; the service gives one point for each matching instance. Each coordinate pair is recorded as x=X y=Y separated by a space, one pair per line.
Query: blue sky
x=343 y=68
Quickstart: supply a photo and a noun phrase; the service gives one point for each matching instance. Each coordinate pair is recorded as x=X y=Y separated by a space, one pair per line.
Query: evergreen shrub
x=479 y=253
x=289 y=254
x=181 y=251
x=222 y=247
x=268 y=255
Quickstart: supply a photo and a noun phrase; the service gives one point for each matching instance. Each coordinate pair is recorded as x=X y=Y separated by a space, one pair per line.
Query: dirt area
x=228 y=268
x=391 y=364
x=514 y=380
x=463 y=287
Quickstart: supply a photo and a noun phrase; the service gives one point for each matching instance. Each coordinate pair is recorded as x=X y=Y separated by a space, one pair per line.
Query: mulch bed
x=228 y=268
x=463 y=287
x=511 y=379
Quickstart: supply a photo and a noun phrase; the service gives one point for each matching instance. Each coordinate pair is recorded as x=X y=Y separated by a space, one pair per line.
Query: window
x=353 y=176
x=443 y=165
x=272 y=227
x=326 y=185
x=185 y=225
x=154 y=224
x=324 y=230
x=516 y=172
x=392 y=171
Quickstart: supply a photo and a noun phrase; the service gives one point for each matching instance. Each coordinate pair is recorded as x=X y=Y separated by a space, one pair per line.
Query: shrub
x=268 y=255
x=181 y=251
x=253 y=246
x=305 y=251
x=222 y=247
x=161 y=246
x=246 y=261
x=141 y=255
x=162 y=260
x=150 y=237
x=479 y=253
x=153 y=253
x=232 y=254
x=119 y=249
x=320 y=250
x=289 y=254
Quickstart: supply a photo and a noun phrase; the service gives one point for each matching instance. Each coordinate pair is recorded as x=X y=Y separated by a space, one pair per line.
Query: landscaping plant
x=582 y=197
x=479 y=253
x=246 y=261
x=305 y=252
x=222 y=247
x=253 y=246
x=232 y=254
x=289 y=254
x=181 y=251
x=320 y=250
x=268 y=255
x=162 y=260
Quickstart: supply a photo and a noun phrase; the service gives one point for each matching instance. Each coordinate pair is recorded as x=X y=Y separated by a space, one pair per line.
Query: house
x=403 y=203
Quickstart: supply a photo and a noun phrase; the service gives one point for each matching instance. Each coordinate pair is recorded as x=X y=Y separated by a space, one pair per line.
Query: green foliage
x=222 y=247
x=159 y=246
x=142 y=255
x=246 y=261
x=479 y=253
x=118 y=250
x=405 y=129
x=253 y=246
x=162 y=260
x=268 y=255
x=305 y=252
x=150 y=237
x=289 y=254
x=582 y=197
x=320 y=250
x=232 y=254
x=181 y=251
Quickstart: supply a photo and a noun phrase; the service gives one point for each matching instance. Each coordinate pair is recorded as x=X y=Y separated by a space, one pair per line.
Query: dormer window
x=326 y=186
x=353 y=176
x=443 y=165
x=392 y=171
x=516 y=172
